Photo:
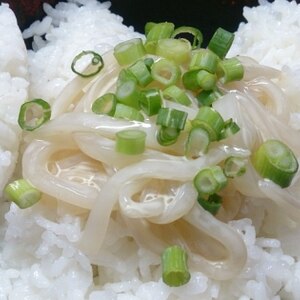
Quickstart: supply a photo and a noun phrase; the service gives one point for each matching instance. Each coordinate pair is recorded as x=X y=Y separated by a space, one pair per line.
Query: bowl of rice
x=146 y=153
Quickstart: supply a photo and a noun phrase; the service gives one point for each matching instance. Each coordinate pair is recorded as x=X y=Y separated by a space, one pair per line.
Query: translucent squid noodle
x=72 y=158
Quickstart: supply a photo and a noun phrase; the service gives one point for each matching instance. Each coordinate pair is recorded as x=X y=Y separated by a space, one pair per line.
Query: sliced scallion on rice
x=105 y=105
x=212 y=204
x=196 y=33
x=210 y=181
x=95 y=67
x=130 y=51
x=234 y=166
x=210 y=120
x=130 y=142
x=22 y=193
x=174 y=266
x=221 y=42
x=34 y=114
x=150 y=101
x=275 y=161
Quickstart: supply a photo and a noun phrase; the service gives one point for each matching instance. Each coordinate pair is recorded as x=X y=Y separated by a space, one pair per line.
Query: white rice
x=13 y=90
x=38 y=256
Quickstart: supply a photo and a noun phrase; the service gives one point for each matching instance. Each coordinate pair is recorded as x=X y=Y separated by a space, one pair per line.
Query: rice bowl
x=48 y=251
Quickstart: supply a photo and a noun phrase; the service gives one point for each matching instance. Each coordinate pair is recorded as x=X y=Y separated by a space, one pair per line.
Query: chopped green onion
x=174 y=266
x=210 y=120
x=232 y=69
x=150 y=47
x=34 y=114
x=130 y=141
x=196 y=33
x=151 y=101
x=176 y=94
x=206 y=80
x=127 y=93
x=148 y=27
x=190 y=81
x=96 y=62
x=204 y=59
x=234 y=166
x=158 y=31
x=178 y=51
x=212 y=204
x=126 y=112
x=105 y=105
x=165 y=72
x=167 y=136
x=149 y=62
x=230 y=128
x=197 y=143
x=221 y=42
x=209 y=181
x=276 y=161
x=129 y=51
x=141 y=72
x=207 y=98
x=22 y=193
x=172 y=118
x=124 y=76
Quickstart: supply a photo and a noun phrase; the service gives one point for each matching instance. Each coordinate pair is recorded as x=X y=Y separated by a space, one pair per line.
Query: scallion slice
x=158 y=31
x=221 y=42
x=212 y=204
x=231 y=69
x=127 y=93
x=174 y=266
x=210 y=120
x=207 y=98
x=230 y=128
x=196 y=33
x=207 y=81
x=276 y=161
x=165 y=72
x=151 y=101
x=129 y=51
x=130 y=141
x=175 y=50
x=97 y=63
x=176 y=94
x=234 y=166
x=149 y=61
x=124 y=76
x=126 y=112
x=141 y=72
x=105 y=105
x=197 y=143
x=172 y=118
x=190 y=80
x=204 y=59
x=22 y=193
x=209 y=181
x=167 y=136
x=34 y=114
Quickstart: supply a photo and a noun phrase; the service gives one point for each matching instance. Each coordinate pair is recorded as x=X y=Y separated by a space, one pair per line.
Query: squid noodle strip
x=106 y=126
x=213 y=247
x=267 y=92
x=104 y=84
x=252 y=69
x=270 y=127
x=162 y=169
x=286 y=199
x=35 y=165
x=76 y=88
x=159 y=208
x=103 y=149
